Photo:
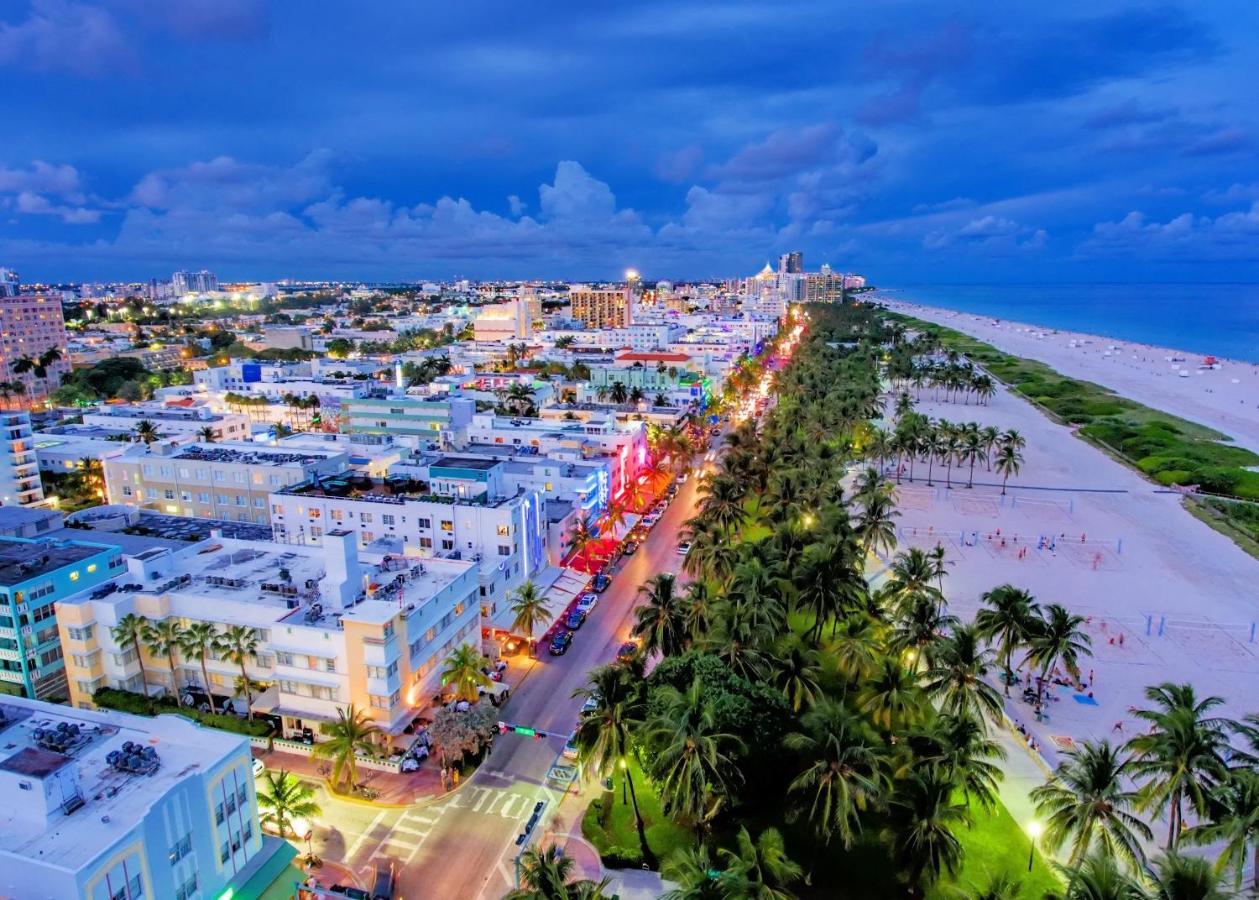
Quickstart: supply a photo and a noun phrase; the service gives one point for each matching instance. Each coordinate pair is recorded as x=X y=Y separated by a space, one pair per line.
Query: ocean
x=1222 y=319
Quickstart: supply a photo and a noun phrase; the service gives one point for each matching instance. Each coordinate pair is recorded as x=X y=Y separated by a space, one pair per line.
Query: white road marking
x=358 y=842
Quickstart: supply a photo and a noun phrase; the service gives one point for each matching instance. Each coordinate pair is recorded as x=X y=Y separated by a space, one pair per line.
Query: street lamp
x=1034 y=830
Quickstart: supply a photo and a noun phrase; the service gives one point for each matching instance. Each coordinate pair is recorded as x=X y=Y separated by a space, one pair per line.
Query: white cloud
x=38 y=205
x=59 y=34
x=43 y=178
x=1232 y=236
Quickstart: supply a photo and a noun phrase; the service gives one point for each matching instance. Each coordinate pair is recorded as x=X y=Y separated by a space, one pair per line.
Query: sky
x=909 y=141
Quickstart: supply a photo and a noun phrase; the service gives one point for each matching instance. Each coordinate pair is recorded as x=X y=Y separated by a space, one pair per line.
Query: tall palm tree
x=350 y=735
x=146 y=431
x=1088 y=803
x=960 y=747
x=619 y=393
x=1058 y=638
x=909 y=576
x=876 y=524
x=198 y=640
x=695 y=872
x=128 y=633
x=605 y=734
x=795 y=669
x=692 y=763
x=1234 y=822
x=891 y=697
x=581 y=536
x=660 y=622
x=545 y=874
x=465 y=672
x=925 y=816
x=239 y=644
x=282 y=798
x=1099 y=877
x=1177 y=877
x=206 y=434
x=163 y=639
x=760 y=869
x=1181 y=756
x=1008 y=463
x=1009 y=619
x=529 y=610
x=956 y=680
x=844 y=779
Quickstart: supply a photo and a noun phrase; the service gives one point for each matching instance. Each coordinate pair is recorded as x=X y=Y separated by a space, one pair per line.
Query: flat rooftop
x=22 y=560
x=464 y=462
x=113 y=801
x=249 y=455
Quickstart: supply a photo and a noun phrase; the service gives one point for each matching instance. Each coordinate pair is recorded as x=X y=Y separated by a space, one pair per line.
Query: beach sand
x=1224 y=398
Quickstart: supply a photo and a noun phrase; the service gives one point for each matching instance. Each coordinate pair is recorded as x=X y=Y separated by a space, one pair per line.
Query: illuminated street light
x=1034 y=830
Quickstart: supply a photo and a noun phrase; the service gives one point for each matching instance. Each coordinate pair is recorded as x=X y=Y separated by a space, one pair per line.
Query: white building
x=172 y=420
x=193 y=283
x=504 y=322
x=31 y=325
x=19 y=465
x=109 y=806
x=333 y=627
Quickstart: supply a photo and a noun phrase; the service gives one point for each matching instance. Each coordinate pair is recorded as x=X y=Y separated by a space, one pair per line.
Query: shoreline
x=1224 y=397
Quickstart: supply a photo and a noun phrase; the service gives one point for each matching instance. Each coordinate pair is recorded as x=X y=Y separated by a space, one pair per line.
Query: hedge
x=139 y=705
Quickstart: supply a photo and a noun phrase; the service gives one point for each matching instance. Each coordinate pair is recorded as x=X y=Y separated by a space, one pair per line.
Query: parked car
x=650 y=520
x=591 y=703
x=575 y=620
x=627 y=651
x=601 y=583
x=629 y=548
x=588 y=602
x=259 y=768
x=684 y=548
x=570 y=748
x=683 y=477
x=560 y=643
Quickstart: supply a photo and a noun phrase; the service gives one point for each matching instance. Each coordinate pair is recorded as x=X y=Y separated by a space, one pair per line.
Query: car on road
x=592 y=703
x=560 y=643
x=575 y=620
x=601 y=583
x=627 y=651
x=588 y=602
x=384 y=880
x=683 y=477
x=570 y=748
x=630 y=548
x=650 y=520
x=684 y=548
x=259 y=768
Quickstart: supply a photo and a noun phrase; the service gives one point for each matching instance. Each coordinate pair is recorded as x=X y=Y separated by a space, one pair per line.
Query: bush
x=622 y=858
x=139 y=705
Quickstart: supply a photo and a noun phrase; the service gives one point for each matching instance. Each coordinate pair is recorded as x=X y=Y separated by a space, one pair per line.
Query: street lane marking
x=358 y=842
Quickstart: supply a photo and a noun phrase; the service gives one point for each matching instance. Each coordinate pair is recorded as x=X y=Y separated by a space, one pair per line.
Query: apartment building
x=463 y=511
x=34 y=575
x=108 y=806
x=334 y=627
x=180 y=419
x=601 y=307
x=504 y=322
x=19 y=464
x=230 y=481
x=411 y=419
x=31 y=325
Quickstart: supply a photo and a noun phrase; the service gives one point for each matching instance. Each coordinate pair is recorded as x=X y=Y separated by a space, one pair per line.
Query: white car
x=588 y=602
x=684 y=548
x=570 y=749
x=650 y=520
x=259 y=768
x=683 y=477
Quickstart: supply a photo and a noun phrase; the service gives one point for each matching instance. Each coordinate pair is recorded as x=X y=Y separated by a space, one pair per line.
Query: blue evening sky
x=911 y=141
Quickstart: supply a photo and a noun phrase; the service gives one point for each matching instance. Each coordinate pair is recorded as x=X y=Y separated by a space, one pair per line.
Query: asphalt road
x=465 y=846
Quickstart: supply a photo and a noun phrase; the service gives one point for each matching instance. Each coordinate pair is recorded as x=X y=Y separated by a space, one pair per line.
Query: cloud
x=39 y=205
x=1129 y=112
x=516 y=205
x=64 y=35
x=227 y=183
x=678 y=165
x=44 y=178
x=1234 y=193
x=1224 y=140
x=202 y=20
x=1230 y=236
x=996 y=234
x=576 y=195
x=789 y=151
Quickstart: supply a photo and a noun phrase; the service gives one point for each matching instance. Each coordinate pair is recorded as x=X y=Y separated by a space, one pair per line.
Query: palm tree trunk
x=205 y=675
x=144 y=675
x=249 y=700
x=970 y=483
x=648 y=857
x=1003 y=484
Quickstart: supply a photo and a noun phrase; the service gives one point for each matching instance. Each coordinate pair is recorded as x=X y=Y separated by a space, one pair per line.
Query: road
x=465 y=845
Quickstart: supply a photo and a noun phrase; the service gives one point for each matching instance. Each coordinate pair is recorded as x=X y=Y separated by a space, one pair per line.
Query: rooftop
x=249 y=455
x=464 y=462
x=39 y=739
x=21 y=560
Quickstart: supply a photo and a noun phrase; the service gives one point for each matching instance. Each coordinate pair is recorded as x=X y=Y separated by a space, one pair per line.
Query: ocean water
x=1222 y=319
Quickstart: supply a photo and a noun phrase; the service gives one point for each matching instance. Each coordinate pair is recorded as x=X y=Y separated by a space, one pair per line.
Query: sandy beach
x=1225 y=397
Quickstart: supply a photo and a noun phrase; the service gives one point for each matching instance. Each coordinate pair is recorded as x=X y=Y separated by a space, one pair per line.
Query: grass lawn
x=994 y=845
x=614 y=834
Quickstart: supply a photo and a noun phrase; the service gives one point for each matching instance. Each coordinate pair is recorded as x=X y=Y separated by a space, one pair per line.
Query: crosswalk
x=407 y=835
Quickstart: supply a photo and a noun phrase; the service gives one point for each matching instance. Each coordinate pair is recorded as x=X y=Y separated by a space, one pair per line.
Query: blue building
x=34 y=575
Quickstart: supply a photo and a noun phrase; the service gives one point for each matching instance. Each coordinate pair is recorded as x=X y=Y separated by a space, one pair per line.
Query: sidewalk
x=401 y=789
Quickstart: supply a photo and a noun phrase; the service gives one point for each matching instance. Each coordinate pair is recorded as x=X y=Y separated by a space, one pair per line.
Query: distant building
x=824 y=286
x=34 y=575
x=193 y=283
x=504 y=322
x=791 y=263
x=111 y=806
x=30 y=326
x=601 y=307
x=173 y=420
x=9 y=283
x=19 y=464
x=413 y=420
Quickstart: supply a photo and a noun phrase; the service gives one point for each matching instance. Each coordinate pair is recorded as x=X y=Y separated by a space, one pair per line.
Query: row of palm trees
x=917 y=438
x=952 y=378
x=618 y=393
x=36 y=366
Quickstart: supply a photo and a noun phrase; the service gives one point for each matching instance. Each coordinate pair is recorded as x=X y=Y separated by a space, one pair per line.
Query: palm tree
x=349 y=736
x=605 y=734
x=956 y=677
x=972 y=448
x=1099 y=877
x=1001 y=886
x=283 y=798
x=695 y=774
x=1008 y=463
x=661 y=621
x=581 y=536
x=961 y=748
x=1234 y=822
x=876 y=524
x=795 y=669
x=1181 y=756
x=146 y=431
x=545 y=874
x=924 y=818
x=909 y=576
x=761 y=869
x=238 y=644
x=618 y=394
x=1087 y=803
x=163 y=639
x=206 y=434
x=128 y=633
x=1010 y=620
x=1177 y=877
x=844 y=777
x=465 y=672
x=891 y=697
x=1058 y=638
x=529 y=610
x=199 y=640
x=695 y=872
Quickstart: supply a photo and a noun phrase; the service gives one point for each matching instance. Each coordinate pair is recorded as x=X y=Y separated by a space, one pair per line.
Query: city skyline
x=1088 y=142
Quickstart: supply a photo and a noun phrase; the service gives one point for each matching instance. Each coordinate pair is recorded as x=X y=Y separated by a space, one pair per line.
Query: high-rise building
x=193 y=282
x=791 y=263
x=19 y=464
x=824 y=286
x=9 y=283
x=602 y=307
x=31 y=325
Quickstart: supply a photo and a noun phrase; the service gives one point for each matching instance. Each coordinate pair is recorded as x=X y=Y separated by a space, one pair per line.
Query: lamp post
x=1034 y=829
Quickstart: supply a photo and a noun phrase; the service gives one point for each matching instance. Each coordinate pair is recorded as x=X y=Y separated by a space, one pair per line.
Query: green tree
x=1009 y=619
x=464 y=673
x=545 y=874
x=282 y=798
x=129 y=633
x=660 y=621
x=146 y=431
x=197 y=641
x=760 y=868
x=529 y=610
x=1234 y=823
x=956 y=678
x=1059 y=638
x=239 y=644
x=924 y=819
x=349 y=736
x=163 y=639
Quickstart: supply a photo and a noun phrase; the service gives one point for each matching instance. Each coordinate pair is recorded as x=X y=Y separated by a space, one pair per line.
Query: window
x=448 y=526
x=448 y=545
x=424 y=523
x=218 y=816
x=504 y=550
x=504 y=530
x=330 y=665
x=426 y=542
x=221 y=499
x=242 y=794
x=248 y=830
x=203 y=496
x=202 y=474
x=124 y=659
x=150 y=493
x=283 y=658
x=126 y=491
x=225 y=854
x=181 y=848
x=260 y=502
x=379 y=702
x=365 y=518
x=387 y=520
